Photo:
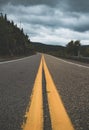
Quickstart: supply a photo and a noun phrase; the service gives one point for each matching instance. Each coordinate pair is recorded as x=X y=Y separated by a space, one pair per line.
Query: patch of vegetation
x=13 y=41
x=49 y=49
x=73 y=50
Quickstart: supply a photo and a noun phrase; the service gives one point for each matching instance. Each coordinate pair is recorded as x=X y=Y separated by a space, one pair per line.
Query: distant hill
x=59 y=51
x=49 y=49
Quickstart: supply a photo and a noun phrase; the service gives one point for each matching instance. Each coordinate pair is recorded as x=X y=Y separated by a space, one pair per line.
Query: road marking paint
x=83 y=66
x=35 y=113
x=59 y=117
x=16 y=60
x=74 y=64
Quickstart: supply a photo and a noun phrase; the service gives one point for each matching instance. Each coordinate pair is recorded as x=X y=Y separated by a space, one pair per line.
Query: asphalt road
x=72 y=82
x=16 y=83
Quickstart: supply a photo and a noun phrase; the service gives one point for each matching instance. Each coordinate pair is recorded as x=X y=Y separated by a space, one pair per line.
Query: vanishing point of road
x=42 y=92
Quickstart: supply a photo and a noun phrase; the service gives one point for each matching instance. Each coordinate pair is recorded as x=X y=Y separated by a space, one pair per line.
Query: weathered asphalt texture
x=16 y=83
x=73 y=85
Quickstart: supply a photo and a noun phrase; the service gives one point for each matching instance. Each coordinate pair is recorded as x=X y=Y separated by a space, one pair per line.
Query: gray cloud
x=78 y=5
x=50 y=21
x=30 y=2
x=70 y=5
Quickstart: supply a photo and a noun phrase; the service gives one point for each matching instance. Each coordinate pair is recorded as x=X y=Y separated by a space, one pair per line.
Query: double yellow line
x=59 y=117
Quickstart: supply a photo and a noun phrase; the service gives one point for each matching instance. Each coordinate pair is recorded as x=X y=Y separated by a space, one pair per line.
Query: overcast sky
x=50 y=21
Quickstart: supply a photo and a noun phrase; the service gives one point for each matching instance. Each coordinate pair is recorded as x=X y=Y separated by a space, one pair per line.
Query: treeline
x=72 y=49
x=13 y=41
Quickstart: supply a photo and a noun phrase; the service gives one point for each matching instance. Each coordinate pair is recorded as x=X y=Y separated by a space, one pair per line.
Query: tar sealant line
x=46 y=114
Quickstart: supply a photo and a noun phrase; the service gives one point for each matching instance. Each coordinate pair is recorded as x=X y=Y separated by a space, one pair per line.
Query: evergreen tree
x=13 y=41
x=73 y=48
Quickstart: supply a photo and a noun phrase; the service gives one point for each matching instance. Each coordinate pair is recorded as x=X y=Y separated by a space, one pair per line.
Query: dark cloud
x=69 y=5
x=50 y=20
x=50 y=17
x=2 y=2
x=78 y=5
x=30 y=2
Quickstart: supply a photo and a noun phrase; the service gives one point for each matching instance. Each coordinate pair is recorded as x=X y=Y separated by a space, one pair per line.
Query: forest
x=13 y=40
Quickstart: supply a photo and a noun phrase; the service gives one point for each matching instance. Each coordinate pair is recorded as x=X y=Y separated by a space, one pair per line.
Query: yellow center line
x=59 y=117
x=35 y=113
